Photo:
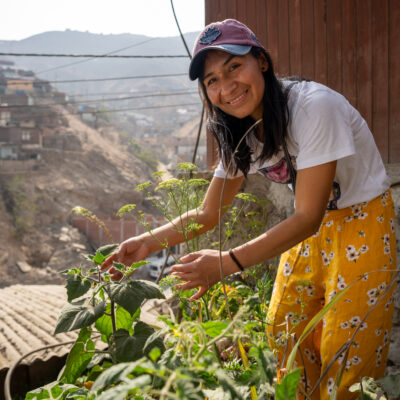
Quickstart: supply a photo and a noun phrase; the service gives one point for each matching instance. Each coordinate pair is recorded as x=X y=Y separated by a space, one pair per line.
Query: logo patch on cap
x=210 y=35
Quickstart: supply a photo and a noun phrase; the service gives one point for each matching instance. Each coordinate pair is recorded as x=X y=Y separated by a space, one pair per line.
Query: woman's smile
x=235 y=84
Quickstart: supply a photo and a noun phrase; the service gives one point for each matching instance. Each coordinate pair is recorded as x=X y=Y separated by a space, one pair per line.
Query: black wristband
x=240 y=266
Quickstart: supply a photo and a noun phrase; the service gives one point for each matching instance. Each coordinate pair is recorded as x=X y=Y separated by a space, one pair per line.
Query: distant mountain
x=76 y=42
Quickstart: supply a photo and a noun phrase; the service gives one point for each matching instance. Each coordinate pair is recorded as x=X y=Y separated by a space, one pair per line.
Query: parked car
x=156 y=264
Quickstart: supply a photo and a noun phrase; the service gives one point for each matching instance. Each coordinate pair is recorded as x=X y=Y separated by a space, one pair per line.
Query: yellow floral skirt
x=356 y=243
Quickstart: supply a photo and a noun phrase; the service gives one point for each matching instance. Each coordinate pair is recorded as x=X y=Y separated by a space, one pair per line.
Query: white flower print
x=326 y=258
x=356 y=209
x=378 y=332
x=345 y=325
x=351 y=253
x=361 y=233
x=332 y=295
x=372 y=301
x=386 y=239
x=286 y=269
x=348 y=219
x=382 y=286
x=341 y=358
x=386 y=338
x=380 y=219
x=329 y=223
x=392 y=227
x=386 y=250
x=339 y=228
x=310 y=290
x=308 y=269
x=303 y=317
x=348 y=365
x=341 y=284
x=363 y=249
x=363 y=215
x=363 y=326
x=372 y=292
x=331 y=385
x=354 y=321
x=356 y=360
x=365 y=277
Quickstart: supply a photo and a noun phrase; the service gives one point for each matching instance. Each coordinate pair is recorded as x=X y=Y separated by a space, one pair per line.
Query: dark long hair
x=228 y=130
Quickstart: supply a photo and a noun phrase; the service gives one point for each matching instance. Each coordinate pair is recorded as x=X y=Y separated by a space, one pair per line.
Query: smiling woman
x=307 y=135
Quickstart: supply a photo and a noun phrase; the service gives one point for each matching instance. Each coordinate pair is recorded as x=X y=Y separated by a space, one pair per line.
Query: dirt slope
x=36 y=204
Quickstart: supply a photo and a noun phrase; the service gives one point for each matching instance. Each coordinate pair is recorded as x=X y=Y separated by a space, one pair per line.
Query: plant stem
x=112 y=312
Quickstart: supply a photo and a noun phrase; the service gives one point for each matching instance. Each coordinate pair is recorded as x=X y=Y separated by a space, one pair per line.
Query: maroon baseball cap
x=229 y=35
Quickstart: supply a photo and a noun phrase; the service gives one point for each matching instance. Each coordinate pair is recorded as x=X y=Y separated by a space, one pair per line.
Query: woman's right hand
x=130 y=251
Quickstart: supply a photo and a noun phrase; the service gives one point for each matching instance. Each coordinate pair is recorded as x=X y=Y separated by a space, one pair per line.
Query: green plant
x=19 y=203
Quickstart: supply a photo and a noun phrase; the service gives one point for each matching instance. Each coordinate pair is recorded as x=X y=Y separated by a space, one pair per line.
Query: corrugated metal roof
x=28 y=315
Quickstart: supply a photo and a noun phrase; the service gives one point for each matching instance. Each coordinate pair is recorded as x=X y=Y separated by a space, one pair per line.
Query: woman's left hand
x=201 y=269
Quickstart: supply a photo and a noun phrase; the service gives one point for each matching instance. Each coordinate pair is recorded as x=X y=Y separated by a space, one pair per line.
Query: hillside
x=37 y=196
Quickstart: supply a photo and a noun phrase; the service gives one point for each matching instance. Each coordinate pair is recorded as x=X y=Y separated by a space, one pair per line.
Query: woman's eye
x=211 y=81
x=234 y=66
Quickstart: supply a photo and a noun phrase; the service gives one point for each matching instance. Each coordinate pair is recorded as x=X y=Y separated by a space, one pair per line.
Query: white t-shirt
x=324 y=127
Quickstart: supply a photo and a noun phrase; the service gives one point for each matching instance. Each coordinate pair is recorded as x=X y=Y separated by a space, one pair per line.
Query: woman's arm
x=313 y=187
x=139 y=247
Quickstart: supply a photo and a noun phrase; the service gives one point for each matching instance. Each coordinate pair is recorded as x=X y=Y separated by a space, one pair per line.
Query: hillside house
x=25 y=142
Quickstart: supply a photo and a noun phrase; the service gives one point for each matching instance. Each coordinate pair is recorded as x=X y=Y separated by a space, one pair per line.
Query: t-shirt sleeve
x=321 y=127
x=220 y=172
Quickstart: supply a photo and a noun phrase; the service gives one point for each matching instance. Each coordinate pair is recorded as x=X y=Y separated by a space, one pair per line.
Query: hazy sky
x=24 y=18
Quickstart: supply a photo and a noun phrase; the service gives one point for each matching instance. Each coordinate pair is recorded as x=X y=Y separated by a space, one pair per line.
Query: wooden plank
x=349 y=64
x=208 y=11
x=334 y=44
x=251 y=20
x=295 y=37
x=283 y=65
x=320 y=63
x=394 y=79
x=364 y=60
x=307 y=38
x=230 y=7
x=261 y=21
x=241 y=9
x=272 y=32
x=380 y=76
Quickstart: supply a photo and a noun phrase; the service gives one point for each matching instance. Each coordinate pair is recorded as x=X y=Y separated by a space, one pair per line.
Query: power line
x=35 y=115
x=92 y=55
x=97 y=100
x=93 y=58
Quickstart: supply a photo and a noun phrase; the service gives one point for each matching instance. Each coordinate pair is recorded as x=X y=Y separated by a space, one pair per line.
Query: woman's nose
x=228 y=86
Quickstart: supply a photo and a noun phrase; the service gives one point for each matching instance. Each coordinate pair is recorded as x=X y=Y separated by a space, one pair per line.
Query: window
x=26 y=135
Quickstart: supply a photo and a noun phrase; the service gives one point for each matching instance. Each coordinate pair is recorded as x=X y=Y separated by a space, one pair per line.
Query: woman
x=343 y=224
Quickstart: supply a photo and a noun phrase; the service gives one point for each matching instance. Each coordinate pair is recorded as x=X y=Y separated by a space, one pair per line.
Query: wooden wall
x=352 y=46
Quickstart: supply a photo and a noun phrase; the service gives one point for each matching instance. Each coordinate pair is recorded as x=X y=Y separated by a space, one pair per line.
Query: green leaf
x=80 y=394
x=77 y=315
x=114 y=374
x=123 y=320
x=121 y=391
x=371 y=389
x=130 y=294
x=54 y=391
x=125 y=347
x=76 y=287
x=286 y=390
x=106 y=250
x=214 y=328
x=228 y=385
x=391 y=385
x=98 y=258
x=78 y=358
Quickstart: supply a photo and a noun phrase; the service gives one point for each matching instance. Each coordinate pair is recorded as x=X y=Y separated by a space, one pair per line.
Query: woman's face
x=235 y=84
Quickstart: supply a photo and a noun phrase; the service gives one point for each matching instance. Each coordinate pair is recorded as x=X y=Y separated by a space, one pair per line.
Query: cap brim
x=197 y=61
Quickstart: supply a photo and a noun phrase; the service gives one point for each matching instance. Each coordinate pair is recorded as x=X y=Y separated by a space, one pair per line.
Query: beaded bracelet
x=240 y=266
